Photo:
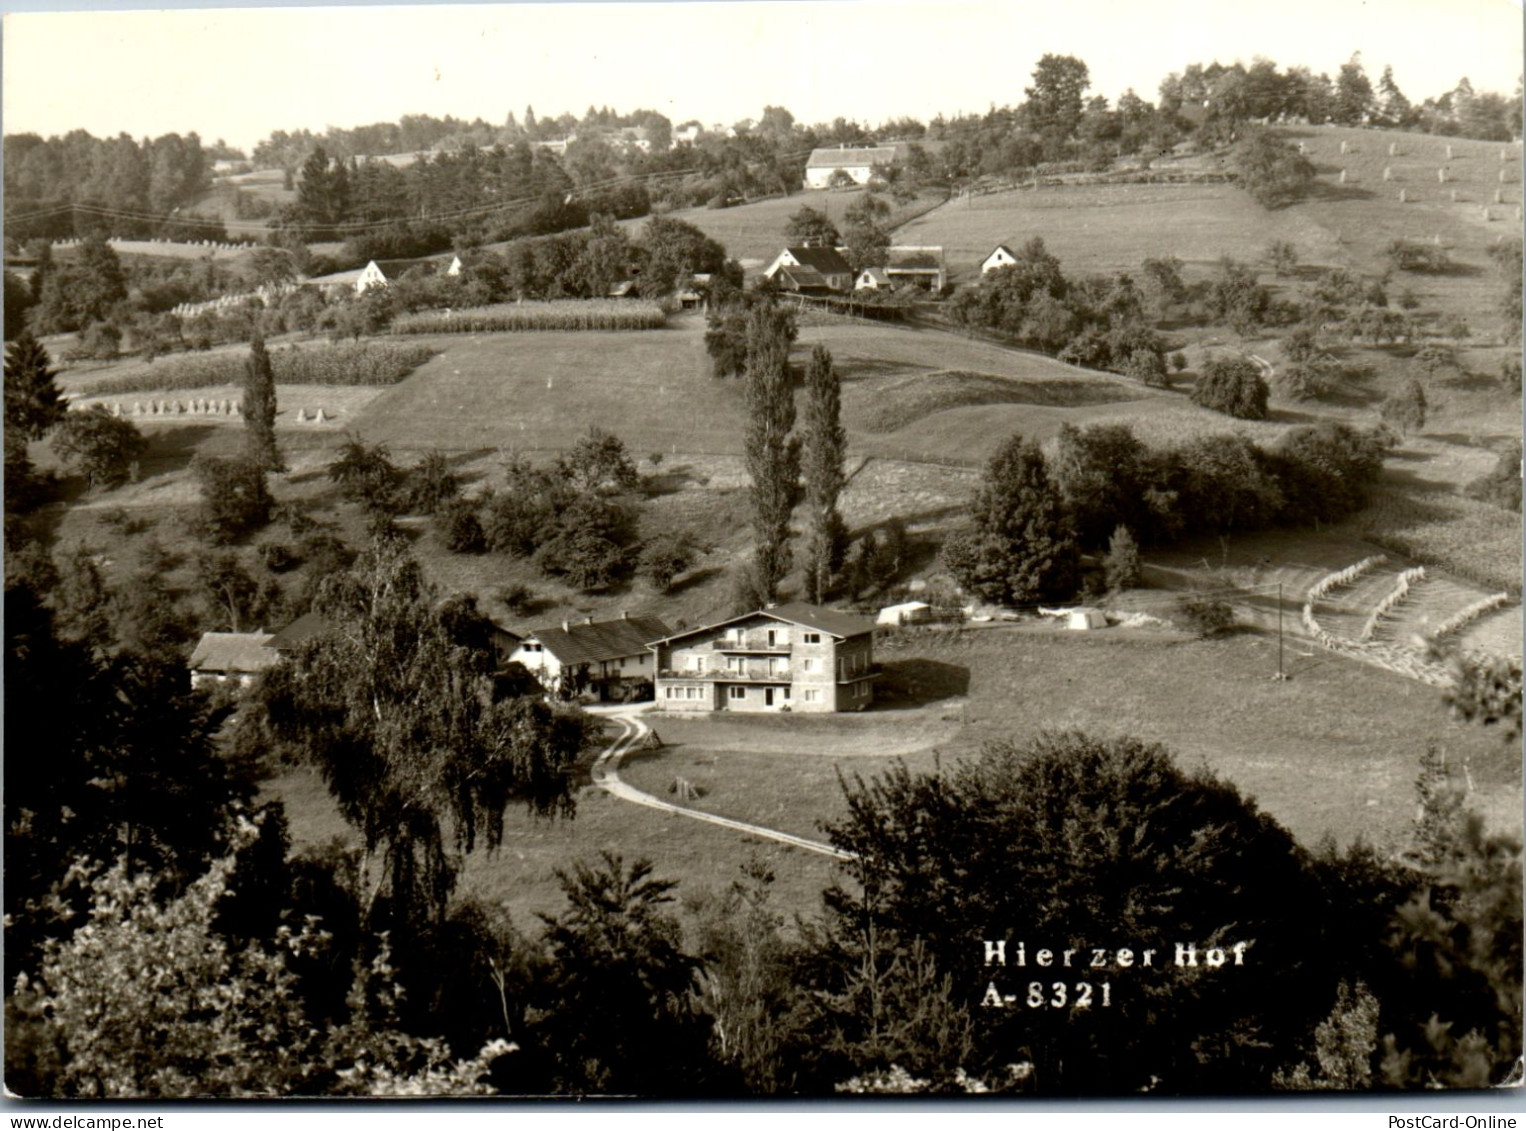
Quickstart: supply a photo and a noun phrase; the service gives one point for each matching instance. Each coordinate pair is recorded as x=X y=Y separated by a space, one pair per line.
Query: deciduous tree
x=402 y=723
x=1233 y=386
x=1115 y=841
x=98 y=445
x=1272 y=171
x=1020 y=548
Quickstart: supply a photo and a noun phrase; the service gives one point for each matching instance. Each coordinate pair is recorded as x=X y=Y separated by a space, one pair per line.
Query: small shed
x=911 y=612
x=1083 y=619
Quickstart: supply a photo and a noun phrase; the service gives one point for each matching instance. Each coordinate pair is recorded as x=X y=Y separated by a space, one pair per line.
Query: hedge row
x=560 y=314
x=351 y=363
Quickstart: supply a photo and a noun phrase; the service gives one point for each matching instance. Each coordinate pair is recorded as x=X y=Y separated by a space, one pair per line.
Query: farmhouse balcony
x=873 y=671
x=753 y=673
x=754 y=643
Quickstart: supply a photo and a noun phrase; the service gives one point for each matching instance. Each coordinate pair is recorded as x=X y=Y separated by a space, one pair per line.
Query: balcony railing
x=749 y=674
x=873 y=671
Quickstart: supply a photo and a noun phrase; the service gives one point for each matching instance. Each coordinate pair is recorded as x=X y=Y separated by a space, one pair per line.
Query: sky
x=240 y=73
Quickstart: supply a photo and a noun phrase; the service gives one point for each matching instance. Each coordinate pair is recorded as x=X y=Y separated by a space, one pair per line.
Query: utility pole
x=1280 y=675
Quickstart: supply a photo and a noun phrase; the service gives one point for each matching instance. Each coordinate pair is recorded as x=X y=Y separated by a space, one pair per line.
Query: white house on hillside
x=859 y=162
x=593 y=658
x=793 y=657
x=1001 y=257
x=810 y=268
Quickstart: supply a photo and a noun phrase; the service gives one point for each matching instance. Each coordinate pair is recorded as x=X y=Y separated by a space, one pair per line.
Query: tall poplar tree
x=773 y=456
x=259 y=409
x=823 y=454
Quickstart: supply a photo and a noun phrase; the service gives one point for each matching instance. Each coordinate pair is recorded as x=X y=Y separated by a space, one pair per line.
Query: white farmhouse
x=859 y=162
x=592 y=659
x=1001 y=257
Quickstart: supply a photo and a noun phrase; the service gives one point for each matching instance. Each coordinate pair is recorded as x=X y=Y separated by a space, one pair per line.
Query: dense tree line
x=1033 y=515
x=128 y=184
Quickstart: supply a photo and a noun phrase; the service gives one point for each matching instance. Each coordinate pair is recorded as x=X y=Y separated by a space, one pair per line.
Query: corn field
x=517 y=317
x=1471 y=539
x=349 y=363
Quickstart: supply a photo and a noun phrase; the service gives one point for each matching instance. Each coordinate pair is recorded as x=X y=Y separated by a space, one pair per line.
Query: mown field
x=753 y=234
x=1106 y=228
x=1333 y=751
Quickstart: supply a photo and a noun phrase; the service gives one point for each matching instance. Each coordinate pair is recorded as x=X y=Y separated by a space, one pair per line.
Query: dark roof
x=827 y=260
x=850 y=157
x=601 y=640
x=826 y=620
x=1001 y=247
x=298 y=632
x=233 y=652
x=829 y=621
x=803 y=278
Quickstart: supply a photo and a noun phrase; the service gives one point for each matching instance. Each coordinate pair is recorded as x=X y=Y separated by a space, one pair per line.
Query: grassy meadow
x=1331 y=752
x=753 y=234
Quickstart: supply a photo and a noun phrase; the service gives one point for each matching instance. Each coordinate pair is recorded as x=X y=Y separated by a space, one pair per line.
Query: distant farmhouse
x=793 y=657
x=379 y=273
x=597 y=659
x=862 y=163
x=231 y=657
x=1001 y=257
x=920 y=266
x=810 y=270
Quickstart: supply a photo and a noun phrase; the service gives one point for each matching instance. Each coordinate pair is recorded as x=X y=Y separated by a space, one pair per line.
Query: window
x=531 y=647
x=786 y=694
x=812 y=638
x=691 y=693
x=812 y=695
x=736 y=693
x=808 y=664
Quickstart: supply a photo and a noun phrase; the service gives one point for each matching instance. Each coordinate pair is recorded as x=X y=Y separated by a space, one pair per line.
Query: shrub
x=1232 y=386
x=431 y=484
x=459 y=529
x=1510 y=373
x=1419 y=258
x=663 y=558
x=1121 y=567
x=279 y=557
x=1206 y=616
x=235 y=499
x=366 y=475
x=1405 y=407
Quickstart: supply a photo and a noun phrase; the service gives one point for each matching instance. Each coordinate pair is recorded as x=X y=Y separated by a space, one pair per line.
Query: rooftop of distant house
x=845 y=156
x=233 y=653
x=592 y=641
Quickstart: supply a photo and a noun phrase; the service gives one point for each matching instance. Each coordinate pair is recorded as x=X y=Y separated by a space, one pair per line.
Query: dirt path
x=606 y=775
